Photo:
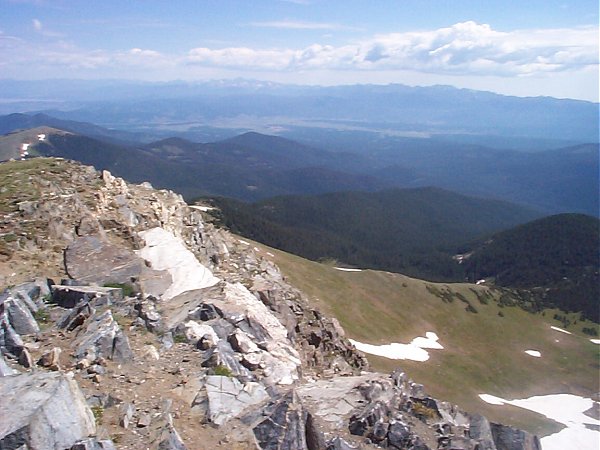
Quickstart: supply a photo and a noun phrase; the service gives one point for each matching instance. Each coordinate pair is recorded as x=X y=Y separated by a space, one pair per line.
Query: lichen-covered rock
x=43 y=411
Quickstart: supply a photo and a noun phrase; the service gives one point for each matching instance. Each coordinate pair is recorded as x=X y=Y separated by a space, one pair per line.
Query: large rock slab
x=71 y=296
x=228 y=398
x=43 y=411
x=334 y=400
x=95 y=260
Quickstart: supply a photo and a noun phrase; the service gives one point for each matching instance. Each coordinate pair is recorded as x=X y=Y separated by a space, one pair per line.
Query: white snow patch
x=566 y=409
x=415 y=351
x=533 y=353
x=480 y=282
x=595 y=341
x=346 y=269
x=41 y=137
x=270 y=254
x=256 y=249
x=167 y=252
x=429 y=341
x=202 y=208
x=492 y=399
x=243 y=242
x=25 y=146
x=561 y=330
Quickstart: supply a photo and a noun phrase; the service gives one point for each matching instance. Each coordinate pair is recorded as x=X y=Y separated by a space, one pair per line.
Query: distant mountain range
x=254 y=166
x=243 y=105
x=18 y=121
x=222 y=168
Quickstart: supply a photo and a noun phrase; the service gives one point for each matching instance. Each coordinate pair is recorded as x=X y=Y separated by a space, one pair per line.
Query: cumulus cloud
x=469 y=53
x=464 y=48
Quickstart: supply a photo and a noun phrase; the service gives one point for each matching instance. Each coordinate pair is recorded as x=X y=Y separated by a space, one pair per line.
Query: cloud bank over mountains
x=467 y=47
x=463 y=49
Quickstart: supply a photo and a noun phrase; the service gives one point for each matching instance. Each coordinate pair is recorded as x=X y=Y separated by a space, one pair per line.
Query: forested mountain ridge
x=557 y=256
x=254 y=166
x=406 y=230
x=425 y=233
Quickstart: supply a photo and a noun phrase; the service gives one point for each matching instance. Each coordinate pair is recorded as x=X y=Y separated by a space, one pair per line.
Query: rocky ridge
x=148 y=327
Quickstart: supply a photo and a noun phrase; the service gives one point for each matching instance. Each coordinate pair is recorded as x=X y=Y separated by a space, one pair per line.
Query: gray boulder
x=71 y=296
x=94 y=444
x=43 y=411
x=103 y=337
x=509 y=438
x=19 y=315
x=34 y=291
x=281 y=424
x=5 y=369
x=339 y=444
x=228 y=398
x=10 y=341
x=481 y=432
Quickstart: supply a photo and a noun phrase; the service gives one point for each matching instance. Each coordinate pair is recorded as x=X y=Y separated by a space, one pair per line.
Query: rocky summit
x=129 y=321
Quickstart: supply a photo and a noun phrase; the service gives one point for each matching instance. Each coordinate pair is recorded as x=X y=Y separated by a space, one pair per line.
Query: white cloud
x=464 y=48
x=561 y=62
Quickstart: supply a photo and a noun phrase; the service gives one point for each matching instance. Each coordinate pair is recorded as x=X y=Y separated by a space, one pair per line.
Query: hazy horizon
x=536 y=48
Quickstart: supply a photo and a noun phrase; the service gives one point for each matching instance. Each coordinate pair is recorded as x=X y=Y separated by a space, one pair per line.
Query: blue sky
x=526 y=47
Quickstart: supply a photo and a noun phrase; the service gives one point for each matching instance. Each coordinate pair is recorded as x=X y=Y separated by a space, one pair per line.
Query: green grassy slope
x=483 y=351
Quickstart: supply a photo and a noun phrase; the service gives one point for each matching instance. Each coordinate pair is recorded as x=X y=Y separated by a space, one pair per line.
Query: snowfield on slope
x=415 y=351
x=167 y=252
x=567 y=409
